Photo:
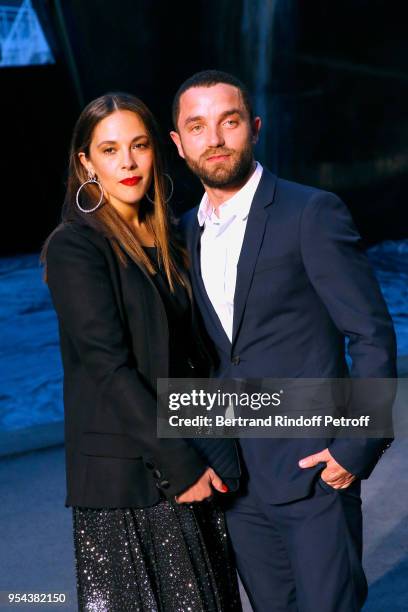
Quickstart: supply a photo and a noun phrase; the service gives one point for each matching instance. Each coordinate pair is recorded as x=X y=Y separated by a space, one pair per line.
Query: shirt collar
x=238 y=205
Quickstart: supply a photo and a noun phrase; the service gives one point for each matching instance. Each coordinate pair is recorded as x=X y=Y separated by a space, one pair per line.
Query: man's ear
x=177 y=141
x=256 y=126
x=86 y=163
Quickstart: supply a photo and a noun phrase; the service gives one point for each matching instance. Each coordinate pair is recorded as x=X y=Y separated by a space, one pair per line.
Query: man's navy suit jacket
x=303 y=284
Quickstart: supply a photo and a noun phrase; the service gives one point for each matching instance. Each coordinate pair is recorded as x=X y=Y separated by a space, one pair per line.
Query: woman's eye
x=141 y=145
x=109 y=150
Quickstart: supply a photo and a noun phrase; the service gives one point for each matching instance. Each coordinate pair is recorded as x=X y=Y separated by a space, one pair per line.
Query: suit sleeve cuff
x=359 y=456
x=177 y=470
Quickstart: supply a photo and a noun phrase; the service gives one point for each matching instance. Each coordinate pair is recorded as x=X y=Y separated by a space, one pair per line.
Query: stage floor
x=37 y=550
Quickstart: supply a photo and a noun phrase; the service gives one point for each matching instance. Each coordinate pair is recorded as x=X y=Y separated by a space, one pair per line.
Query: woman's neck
x=131 y=214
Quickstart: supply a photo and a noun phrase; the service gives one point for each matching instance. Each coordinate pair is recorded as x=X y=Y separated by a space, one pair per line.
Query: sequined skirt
x=165 y=558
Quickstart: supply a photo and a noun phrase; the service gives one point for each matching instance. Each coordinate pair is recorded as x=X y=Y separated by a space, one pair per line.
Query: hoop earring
x=171 y=190
x=92 y=179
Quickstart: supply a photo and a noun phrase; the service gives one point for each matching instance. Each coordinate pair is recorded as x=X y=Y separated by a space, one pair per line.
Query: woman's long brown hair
x=106 y=219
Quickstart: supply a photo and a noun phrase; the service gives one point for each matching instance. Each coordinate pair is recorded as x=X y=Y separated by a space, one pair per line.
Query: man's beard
x=223 y=175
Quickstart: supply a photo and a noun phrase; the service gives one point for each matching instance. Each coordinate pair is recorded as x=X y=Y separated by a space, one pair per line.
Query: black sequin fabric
x=165 y=558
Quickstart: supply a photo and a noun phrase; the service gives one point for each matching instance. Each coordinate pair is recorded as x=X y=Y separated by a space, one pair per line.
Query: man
x=280 y=280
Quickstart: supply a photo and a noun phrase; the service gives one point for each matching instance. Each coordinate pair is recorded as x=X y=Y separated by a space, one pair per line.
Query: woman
x=116 y=277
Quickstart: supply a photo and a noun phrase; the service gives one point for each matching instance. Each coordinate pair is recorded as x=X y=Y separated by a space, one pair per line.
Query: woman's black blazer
x=114 y=345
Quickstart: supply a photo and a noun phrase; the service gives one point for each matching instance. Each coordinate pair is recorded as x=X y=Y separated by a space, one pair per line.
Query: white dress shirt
x=221 y=243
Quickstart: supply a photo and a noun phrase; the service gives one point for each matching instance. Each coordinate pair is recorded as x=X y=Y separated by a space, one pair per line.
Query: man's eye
x=231 y=122
x=196 y=128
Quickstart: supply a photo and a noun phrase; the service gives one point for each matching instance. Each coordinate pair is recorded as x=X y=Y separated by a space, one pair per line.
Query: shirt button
x=157 y=474
x=235 y=360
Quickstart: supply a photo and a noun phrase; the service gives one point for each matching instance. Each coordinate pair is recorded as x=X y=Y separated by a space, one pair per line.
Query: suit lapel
x=216 y=330
x=253 y=238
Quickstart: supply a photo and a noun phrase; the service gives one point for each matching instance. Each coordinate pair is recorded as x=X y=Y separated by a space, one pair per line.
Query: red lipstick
x=131 y=181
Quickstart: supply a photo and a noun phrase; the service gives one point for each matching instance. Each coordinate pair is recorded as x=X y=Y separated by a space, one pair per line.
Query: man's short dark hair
x=208 y=78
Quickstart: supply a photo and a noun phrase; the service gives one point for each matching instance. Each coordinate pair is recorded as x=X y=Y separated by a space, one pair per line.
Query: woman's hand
x=202 y=488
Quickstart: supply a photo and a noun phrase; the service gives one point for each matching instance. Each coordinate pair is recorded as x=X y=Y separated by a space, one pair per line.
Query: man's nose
x=215 y=136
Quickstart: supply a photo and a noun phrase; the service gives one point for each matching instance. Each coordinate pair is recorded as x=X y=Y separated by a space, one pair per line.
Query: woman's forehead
x=118 y=125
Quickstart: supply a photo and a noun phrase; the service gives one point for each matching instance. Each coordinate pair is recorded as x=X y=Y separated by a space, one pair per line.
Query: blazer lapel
x=253 y=238
x=216 y=330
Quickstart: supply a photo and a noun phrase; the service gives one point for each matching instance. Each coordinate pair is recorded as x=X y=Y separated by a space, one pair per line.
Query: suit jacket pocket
x=97 y=444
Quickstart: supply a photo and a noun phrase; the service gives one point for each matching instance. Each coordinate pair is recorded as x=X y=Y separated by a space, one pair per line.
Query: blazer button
x=149 y=465
x=163 y=484
x=190 y=364
x=235 y=360
x=157 y=474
